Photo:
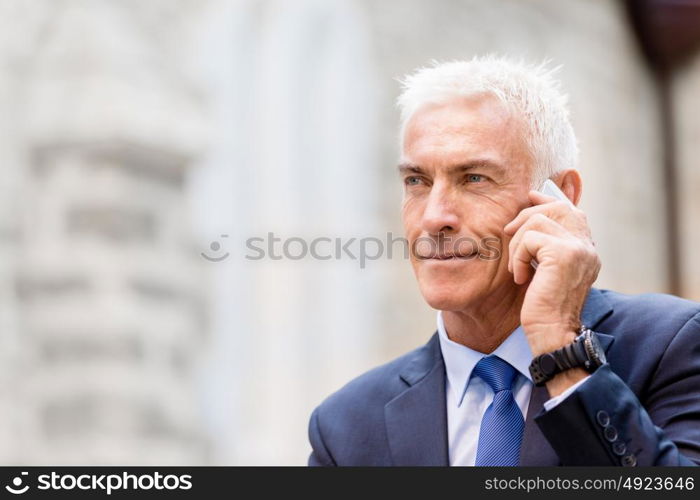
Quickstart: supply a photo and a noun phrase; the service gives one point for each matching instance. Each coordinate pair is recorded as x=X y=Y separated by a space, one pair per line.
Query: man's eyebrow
x=409 y=167
x=461 y=167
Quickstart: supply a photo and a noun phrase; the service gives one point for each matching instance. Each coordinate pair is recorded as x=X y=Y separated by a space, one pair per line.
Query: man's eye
x=475 y=178
x=412 y=180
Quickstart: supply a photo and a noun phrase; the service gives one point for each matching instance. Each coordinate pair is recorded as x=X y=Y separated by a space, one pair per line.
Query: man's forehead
x=463 y=132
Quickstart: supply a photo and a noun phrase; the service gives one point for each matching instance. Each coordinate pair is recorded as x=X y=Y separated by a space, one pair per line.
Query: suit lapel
x=596 y=308
x=416 y=420
x=535 y=449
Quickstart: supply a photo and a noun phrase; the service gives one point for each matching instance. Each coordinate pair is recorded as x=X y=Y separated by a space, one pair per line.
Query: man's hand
x=557 y=236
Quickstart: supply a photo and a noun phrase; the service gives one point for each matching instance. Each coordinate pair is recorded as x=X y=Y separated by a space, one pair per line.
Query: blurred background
x=143 y=142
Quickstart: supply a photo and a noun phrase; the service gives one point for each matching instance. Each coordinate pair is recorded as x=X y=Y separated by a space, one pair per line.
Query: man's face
x=466 y=174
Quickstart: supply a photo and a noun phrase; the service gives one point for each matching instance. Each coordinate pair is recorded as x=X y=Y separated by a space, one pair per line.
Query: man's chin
x=444 y=299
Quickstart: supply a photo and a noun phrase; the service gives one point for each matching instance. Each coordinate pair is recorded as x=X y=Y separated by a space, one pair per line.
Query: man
x=529 y=364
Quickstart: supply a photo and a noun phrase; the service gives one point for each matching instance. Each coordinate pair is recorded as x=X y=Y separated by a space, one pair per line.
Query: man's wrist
x=560 y=367
x=545 y=342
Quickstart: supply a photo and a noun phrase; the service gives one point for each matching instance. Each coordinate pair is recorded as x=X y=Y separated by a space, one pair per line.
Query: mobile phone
x=551 y=189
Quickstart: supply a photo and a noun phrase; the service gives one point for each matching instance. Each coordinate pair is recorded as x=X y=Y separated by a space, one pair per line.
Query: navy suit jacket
x=641 y=408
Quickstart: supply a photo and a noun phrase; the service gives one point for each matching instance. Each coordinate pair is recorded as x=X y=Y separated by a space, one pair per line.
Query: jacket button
x=629 y=460
x=603 y=418
x=610 y=433
x=619 y=448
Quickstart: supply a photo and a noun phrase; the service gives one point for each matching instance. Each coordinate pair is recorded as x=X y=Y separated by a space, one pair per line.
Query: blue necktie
x=502 y=425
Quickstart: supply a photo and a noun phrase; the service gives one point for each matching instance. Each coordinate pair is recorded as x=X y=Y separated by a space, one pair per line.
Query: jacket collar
x=416 y=420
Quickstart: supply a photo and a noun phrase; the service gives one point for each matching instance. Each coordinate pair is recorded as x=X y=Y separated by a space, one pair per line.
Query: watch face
x=548 y=365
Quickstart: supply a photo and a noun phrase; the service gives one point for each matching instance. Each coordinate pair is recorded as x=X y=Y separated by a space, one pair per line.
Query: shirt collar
x=460 y=360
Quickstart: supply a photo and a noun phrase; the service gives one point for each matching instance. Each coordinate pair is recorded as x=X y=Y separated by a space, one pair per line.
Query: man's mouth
x=448 y=256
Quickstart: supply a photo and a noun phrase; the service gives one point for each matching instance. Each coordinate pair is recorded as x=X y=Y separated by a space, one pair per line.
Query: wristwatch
x=585 y=352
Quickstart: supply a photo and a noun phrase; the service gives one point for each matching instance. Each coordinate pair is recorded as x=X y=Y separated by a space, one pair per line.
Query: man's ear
x=569 y=181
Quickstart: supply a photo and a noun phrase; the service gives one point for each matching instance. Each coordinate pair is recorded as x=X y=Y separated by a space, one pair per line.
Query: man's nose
x=441 y=215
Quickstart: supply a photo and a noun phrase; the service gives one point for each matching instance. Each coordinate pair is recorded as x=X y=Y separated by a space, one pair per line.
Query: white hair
x=531 y=91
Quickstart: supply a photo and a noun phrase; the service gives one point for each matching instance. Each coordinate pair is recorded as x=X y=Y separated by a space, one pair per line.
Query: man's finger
x=538 y=198
x=538 y=222
x=530 y=245
x=551 y=207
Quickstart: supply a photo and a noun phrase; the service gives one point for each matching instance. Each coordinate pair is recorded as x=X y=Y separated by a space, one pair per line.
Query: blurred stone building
x=107 y=306
x=134 y=134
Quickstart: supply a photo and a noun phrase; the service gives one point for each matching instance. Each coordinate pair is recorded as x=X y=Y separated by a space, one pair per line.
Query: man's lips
x=447 y=256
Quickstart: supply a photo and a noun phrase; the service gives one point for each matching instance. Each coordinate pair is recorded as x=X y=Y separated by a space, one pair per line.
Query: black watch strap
x=580 y=353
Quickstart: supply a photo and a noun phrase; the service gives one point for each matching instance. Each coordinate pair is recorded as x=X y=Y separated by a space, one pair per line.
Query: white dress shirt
x=467 y=398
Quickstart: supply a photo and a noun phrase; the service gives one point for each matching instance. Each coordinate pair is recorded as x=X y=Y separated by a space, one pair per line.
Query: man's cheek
x=410 y=229
x=491 y=248
x=409 y=207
